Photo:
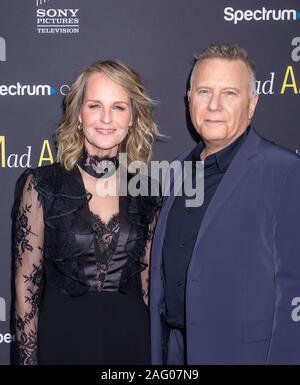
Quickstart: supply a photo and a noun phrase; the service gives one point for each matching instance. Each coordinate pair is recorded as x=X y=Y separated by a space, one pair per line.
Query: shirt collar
x=222 y=158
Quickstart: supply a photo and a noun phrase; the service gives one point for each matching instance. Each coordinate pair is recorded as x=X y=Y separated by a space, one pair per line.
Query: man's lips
x=213 y=121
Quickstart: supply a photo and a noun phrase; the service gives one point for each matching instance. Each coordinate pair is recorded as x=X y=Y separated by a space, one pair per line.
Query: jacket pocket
x=257 y=330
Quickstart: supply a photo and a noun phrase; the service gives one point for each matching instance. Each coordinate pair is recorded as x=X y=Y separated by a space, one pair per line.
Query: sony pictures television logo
x=56 y=20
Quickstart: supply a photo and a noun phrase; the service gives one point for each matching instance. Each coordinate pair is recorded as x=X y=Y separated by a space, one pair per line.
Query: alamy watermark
x=296 y=311
x=160 y=178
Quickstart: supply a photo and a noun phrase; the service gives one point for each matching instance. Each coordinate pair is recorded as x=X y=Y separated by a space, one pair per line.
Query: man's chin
x=214 y=138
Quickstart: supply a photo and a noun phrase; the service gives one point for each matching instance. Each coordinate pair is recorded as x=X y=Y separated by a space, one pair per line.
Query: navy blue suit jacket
x=243 y=280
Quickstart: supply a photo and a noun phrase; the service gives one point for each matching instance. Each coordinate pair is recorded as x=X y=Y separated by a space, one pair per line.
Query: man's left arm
x=285 y=341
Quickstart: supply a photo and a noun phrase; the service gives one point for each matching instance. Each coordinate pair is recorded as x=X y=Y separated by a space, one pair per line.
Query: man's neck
x=211 y=147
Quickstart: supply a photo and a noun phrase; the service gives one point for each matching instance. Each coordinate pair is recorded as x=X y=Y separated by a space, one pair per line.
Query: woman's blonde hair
x=138 y=143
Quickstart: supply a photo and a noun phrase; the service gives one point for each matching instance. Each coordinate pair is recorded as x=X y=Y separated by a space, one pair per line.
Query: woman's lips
x=105 y=131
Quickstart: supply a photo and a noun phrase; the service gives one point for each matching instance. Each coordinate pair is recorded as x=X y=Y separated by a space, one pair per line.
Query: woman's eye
x=119 y=108
x=93 y=105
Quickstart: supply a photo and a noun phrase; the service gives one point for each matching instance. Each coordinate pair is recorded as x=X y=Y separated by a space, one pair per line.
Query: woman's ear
x=131 y=121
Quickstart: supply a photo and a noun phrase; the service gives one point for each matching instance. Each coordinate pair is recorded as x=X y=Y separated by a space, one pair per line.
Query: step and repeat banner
x=45 y=43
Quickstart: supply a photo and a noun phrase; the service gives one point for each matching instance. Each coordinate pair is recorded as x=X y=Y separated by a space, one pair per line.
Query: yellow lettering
x=289 y=72
x=2 y=147
x=43 y=158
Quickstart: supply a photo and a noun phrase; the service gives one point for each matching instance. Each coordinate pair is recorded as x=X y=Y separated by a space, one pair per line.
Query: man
x=225 y=276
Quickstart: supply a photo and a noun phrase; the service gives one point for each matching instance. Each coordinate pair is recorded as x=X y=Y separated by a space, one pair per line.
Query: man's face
x=219 y=101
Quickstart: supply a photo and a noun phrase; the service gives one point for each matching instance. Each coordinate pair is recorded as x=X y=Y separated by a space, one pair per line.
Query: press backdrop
x=44 y=43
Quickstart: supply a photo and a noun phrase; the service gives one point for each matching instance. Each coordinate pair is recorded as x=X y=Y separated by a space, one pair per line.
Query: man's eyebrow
x=231 y=88
x=198 y=87
x=223 y=88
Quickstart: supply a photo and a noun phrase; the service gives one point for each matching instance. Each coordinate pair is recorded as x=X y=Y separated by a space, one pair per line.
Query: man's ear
x=252 y=105
x=188 y=94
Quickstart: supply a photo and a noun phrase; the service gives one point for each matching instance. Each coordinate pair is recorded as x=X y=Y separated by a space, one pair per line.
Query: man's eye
x=203 y=92
x=230 y=93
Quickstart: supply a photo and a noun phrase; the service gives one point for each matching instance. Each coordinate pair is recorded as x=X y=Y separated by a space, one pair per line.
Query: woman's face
x=105 y=114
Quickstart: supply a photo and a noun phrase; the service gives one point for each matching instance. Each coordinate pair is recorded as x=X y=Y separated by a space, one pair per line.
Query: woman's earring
x=129 y=130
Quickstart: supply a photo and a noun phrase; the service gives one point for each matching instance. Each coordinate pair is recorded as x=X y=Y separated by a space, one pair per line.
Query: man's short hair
x=228 y=52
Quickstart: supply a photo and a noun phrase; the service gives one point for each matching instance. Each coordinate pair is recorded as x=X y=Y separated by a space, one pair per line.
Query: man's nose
x=215 y=101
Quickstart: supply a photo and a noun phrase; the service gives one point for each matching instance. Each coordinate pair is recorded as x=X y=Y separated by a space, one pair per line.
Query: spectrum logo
x=27 y=90
x=263 y=14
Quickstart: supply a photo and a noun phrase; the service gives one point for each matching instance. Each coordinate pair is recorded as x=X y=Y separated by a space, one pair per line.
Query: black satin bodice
x=73 y=260
x=106 y=254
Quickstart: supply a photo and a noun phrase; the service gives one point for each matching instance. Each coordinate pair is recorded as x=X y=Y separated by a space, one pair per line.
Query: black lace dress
x=79 y=295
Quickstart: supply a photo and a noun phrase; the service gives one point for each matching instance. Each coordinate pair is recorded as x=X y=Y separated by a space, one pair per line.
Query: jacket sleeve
x=285 y=341
x=28 y=243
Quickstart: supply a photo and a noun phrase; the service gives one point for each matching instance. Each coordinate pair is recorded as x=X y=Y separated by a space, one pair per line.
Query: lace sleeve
x=28 y=239
x=146 y=261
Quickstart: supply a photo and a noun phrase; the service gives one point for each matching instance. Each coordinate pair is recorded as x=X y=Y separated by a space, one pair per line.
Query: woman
x=81 y=255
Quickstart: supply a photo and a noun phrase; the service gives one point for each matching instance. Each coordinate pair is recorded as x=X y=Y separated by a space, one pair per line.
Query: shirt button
x=181 y=245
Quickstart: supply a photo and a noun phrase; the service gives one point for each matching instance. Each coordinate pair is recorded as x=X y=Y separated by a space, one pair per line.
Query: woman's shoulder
x=33 y=179
x=42 y=178
x=48 y=171
x=42 y=171
x=38 y=174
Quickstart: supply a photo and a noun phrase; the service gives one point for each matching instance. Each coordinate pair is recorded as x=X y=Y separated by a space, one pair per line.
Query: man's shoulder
x=183 y=155
x=276 y=155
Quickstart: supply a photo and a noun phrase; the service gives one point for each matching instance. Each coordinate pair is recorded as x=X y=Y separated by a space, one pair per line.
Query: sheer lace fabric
x=106 y=238
x=28 y=246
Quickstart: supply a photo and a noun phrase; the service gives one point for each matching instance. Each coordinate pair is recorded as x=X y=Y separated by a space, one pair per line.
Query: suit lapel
x=237 y=170
x=168 y=200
